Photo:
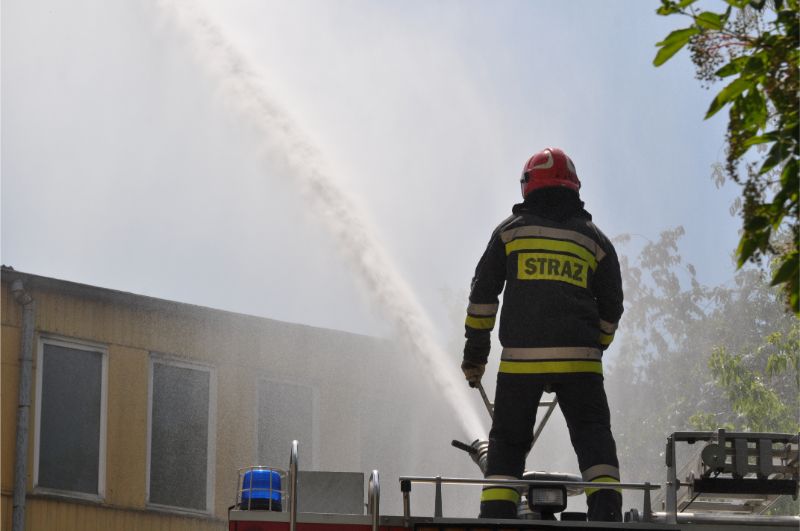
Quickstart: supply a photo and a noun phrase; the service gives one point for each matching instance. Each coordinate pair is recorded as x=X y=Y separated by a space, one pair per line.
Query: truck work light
x=547 y=500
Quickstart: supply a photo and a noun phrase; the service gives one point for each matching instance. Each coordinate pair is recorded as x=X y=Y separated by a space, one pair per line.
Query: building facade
x=142 y=410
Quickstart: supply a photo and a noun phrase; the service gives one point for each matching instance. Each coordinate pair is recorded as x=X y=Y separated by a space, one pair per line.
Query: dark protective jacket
x=563 y=291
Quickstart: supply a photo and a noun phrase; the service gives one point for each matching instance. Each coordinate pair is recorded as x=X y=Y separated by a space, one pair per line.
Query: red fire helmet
x=549 y=168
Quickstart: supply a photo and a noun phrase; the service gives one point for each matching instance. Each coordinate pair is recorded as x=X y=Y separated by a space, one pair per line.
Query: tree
x=754 y=45
x=762 y=386
x=691 y=356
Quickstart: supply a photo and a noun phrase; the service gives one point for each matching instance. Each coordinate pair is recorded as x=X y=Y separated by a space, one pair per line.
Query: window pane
x=284 y=414
x=179 y=441
x=69 y=436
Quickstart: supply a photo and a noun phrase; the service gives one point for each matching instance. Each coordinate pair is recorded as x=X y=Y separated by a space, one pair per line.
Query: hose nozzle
x=477 y=451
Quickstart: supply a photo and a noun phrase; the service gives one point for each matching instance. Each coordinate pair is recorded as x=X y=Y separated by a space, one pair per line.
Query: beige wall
x=127 y=421
x=56 y=515
x=241 y=349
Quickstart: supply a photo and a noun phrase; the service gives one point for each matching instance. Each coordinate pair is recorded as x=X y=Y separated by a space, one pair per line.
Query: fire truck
x=729 y=481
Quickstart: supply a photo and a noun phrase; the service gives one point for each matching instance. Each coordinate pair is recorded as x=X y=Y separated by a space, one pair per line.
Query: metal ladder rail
x=438 y=481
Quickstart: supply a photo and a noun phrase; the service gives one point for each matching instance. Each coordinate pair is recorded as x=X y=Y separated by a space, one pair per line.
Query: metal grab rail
x=293 y=488
x=671 y=514
x=406 y=481
x=374 y=493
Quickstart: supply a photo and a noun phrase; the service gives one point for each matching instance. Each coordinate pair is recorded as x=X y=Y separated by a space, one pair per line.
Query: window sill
x=65 y=495
x=68 y=497
x=179 y=511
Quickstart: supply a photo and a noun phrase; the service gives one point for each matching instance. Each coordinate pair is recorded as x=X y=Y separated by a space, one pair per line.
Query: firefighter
x=561 y=306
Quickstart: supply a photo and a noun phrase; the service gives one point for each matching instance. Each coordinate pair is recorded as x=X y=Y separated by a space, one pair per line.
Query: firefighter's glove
x=473 y=372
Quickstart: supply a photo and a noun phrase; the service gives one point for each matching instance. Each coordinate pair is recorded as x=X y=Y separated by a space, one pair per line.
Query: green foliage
x=756 y=43
x=690 y=356
x=762 y=386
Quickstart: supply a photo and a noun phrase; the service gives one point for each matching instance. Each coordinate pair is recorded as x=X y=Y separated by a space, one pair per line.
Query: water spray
x=246 y=93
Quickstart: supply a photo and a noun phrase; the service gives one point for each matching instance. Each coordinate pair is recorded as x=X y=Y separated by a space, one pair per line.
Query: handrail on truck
x=673 y=484
x=406 y=481
x=293 y=487
x=374 y=493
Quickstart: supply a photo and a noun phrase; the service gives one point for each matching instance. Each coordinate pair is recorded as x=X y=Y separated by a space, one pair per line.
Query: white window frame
x=76 y=344
x=164 y=359
x=314 y=465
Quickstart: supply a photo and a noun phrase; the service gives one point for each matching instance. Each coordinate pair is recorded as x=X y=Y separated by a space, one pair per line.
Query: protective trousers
x=585 y=407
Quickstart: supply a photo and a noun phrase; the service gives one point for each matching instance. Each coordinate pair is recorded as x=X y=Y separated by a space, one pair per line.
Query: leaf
x=709 y=20
x=755 y=64
x=668 y=7
x=776 y=155
x=734 y=67
x=763 y=139
x=788 y=269
x=747 y=246
x=727 y=94
x=674 y=42
x=754 y=111
x=756 y=223
x=789 y=175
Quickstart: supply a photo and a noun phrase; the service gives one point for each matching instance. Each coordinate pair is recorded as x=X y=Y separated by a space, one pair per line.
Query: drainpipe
x=25 y=300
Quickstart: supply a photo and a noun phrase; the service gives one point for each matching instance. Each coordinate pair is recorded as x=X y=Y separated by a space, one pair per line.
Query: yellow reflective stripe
x=606 y=339
x=480 y=323
x=550 y=367
x=601 y=470
x=603 y=479
x=500 y=494
x=551 y=353
x=540 y=244
x=559 y=234
x=608 y=328
x=482 y=309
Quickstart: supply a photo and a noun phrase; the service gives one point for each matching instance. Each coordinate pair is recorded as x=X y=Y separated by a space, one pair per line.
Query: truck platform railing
x=438 y=481
x=731 y=465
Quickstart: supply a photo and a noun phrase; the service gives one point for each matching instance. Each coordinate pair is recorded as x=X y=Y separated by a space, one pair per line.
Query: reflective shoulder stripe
x=539 y=244
x=482 y=309
x=607 y=327
x=550 y=353
x=550 y=367
x=549 y=232
x=500 y=494
x=597 y=471
x=480 y=323
x=604 y=479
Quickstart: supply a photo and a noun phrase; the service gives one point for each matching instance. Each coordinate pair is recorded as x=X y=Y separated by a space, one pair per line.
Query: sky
x=123 y=167
x=129 y=161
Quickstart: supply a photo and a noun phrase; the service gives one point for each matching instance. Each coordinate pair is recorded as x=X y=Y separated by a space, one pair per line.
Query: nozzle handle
x=489 y=405
x=464 y=446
